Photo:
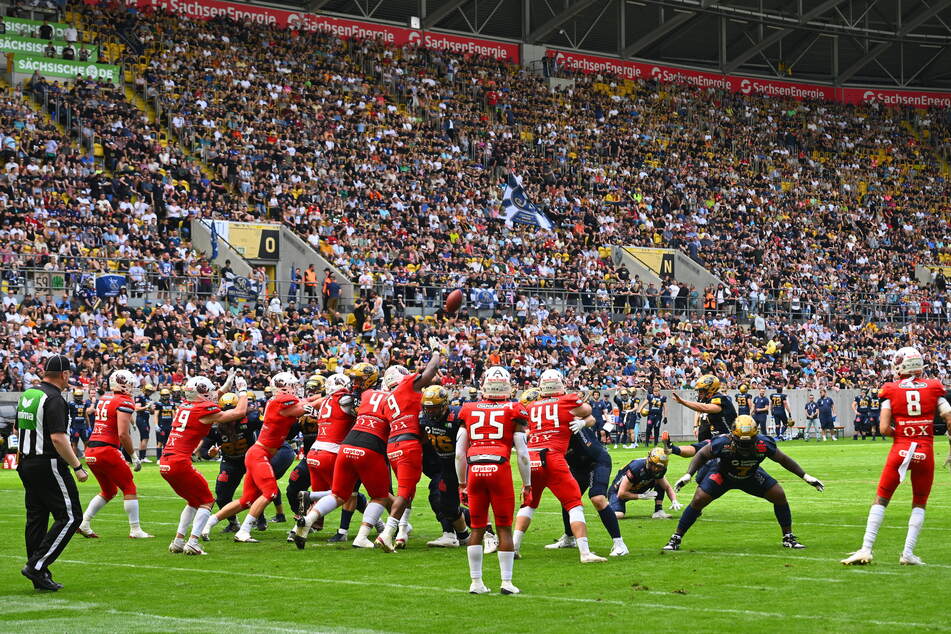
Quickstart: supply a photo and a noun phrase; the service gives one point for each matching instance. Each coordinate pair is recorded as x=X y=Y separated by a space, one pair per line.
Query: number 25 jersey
x=913 y=402
x=491 y=426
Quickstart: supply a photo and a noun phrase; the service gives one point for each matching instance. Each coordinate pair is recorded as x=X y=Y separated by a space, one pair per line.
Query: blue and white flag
x=518 y=208
x=109 y=285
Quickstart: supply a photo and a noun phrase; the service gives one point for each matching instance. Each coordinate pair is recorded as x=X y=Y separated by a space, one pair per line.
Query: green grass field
x=731 y=575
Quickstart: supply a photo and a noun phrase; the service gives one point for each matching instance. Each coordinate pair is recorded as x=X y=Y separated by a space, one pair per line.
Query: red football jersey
x=490 y=426
x=549 y=421
x=106 y=427
x=373 y=414
x=333 y=422
x=275 y=427
x=187 y=429
x=913 y=402
x=405 y=408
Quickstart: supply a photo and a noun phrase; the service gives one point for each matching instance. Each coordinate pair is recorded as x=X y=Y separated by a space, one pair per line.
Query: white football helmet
x=284 y=383
x=335 y=383
x=551 y=383
x=393 y=375
x=122 y=382
x=199 y=388
x=496 y=384
x=908 y=361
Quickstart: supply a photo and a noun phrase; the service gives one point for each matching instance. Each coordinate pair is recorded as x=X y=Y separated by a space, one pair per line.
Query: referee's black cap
x=58 y=363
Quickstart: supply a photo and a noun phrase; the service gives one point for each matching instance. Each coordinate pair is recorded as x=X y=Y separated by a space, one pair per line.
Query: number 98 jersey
x=913 y=403
x=491 y=425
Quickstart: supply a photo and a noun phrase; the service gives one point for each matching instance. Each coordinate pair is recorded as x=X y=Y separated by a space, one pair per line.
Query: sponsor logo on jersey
x=483 y=469
x=353 y=452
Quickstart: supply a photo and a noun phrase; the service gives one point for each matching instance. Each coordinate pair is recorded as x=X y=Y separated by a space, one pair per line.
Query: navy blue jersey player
x=78 y=420
x=643 y=479
x=739 y=455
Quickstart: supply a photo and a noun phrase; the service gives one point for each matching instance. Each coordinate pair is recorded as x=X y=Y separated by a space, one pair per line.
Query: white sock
x=582 y=543
x=506 y=561
x=372 y=514
x=475 y=561
x=311 y=518
x=95 y=505
x=249 y=523
x=392 y=524
x=915 y=522
x=200 y=518
x=210 y=524
x=364 y=531
x=326 y=505
x=875 y=516
x=517 y=536
x=404 y=521
x=188 y=514
x=619 y=542
x=132 y=510
x=317 y=495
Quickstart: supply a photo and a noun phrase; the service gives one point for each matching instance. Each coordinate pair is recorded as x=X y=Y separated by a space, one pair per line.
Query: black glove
x=665 y=420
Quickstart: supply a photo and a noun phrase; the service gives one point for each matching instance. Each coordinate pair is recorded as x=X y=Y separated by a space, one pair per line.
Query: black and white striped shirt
x=41 y=411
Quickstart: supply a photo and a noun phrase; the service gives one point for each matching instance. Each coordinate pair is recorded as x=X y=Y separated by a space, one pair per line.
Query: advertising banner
x=26 y=28
x=27 y=64
x=16 y=44
x=889 y=97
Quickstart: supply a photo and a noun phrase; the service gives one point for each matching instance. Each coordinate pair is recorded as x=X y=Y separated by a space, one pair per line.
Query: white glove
x=675 y=505
x=648 y=495
x=813 y=482
x=226 y=386
x=684 y=479
x=136 y=463
x=577 y=425
x=436 y=345
x=609 y=427
x=310 y=410
x=240 y=384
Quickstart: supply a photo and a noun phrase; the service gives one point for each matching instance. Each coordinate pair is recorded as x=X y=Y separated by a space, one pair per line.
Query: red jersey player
x=260 y=486
x=362 y=458
x=489 y=430
x=908 y=408
x=191 y=423
x=404 y=448
x=111 y=429
x=553 y=419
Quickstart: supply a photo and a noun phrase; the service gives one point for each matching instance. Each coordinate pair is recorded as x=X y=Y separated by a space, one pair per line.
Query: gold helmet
x=228 y=400
x=707 y=385
x=364 y=375
x=657 y=459
x=149 y=388
x=77 y=393
x=165 y=392
x=622 y=392
x=471 y=393
x=744 y=388
x=530 y=395
x=176 y=389
x=744 y=431
x=315 y=384
x=435 y=399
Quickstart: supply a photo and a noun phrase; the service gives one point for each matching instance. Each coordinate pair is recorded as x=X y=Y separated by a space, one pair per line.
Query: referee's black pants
x=49 y=489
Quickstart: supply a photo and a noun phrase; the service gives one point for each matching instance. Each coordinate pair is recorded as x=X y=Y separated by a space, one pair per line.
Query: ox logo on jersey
x=353 y=452
x=918 y=455
x=483 y=469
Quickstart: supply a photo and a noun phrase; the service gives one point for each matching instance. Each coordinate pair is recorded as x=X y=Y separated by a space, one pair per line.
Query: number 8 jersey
x=491 y=426
x=913 y=402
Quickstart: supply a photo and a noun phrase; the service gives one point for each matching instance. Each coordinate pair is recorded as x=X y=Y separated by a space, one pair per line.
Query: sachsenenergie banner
x=27 y=64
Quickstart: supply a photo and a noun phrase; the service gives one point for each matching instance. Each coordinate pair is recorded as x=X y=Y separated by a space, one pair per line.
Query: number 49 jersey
x=491 y=426
x=913 y=403
x=187 y=429
x=549 y=420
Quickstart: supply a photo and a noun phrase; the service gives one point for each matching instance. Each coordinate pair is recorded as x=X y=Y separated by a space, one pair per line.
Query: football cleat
x=298 y=540
x=145 y=461
x=490 y=543
x=385 y=543
x=790 y=541
x=86 y=531
x=290 y=537
x=661 y=515
x=477 y=587
x=262 y=523
x=205 y=536
x=138 y=533
x=448 y=540
x=565 y=541
x=177 y=546
x=362 y=542
x=338 y=538
x=859 y=558
x=673 y=543
x=619 y=550
x=518 y=555
x=279 y=518
x=244 y=538
x=303 y=503
x=508 y=588
x=402 y=536
x=193 y=548
x=665 y=438
x=232 y=527
x=910 y=559
x=591 y=558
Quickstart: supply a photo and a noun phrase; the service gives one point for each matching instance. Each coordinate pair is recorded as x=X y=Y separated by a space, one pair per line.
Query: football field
x=732 y=574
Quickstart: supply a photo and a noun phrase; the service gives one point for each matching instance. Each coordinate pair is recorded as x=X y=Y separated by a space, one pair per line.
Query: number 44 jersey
x=913 y=403
x=550 y=420
x=491 y=425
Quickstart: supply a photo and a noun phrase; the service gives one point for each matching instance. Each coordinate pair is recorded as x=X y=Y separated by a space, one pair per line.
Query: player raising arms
x=193 y=419
x=489 y=430
x=260 y=485
x=362 y=458
x=111 y=429
x=908 y=409
x=734 y=463
x=404 y=448
x=554 y=418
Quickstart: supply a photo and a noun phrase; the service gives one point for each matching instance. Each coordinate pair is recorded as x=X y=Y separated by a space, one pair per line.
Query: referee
x=45 y=464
